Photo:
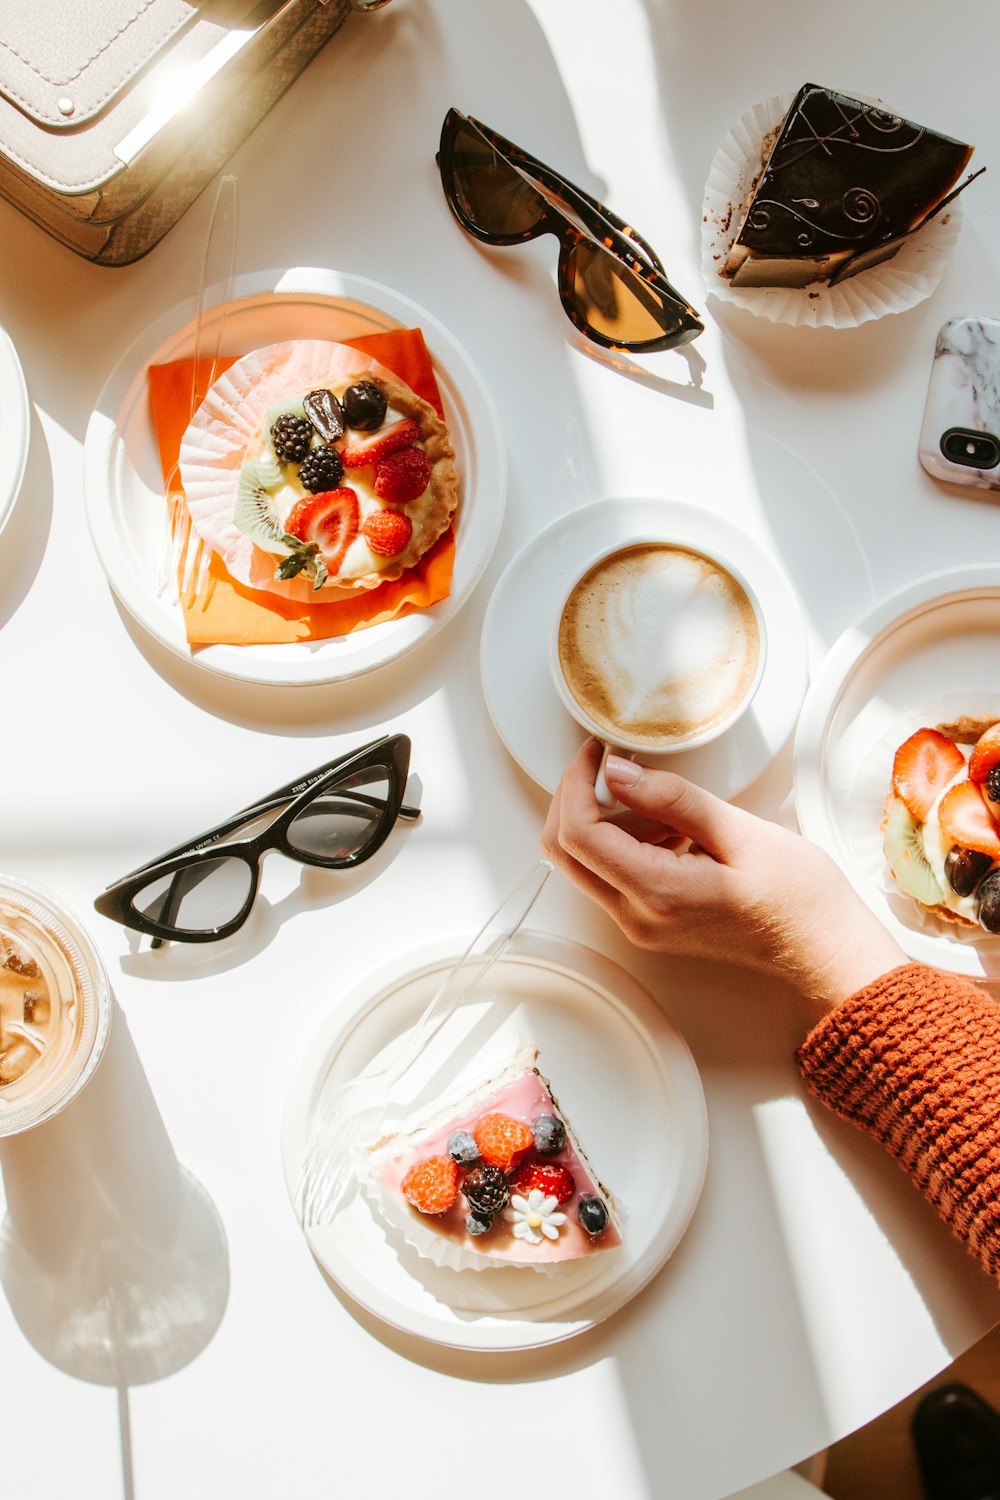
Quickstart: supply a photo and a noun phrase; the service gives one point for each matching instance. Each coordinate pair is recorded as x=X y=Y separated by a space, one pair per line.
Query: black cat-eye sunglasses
x=336 y=816
x=611 y=282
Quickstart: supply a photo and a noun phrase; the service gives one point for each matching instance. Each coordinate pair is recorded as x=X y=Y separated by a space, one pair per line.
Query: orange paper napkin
x=230 y=614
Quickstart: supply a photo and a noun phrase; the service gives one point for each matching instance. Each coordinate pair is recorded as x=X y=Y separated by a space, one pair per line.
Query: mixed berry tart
x=495 y=1179
x=311 y=467
x=940 y=829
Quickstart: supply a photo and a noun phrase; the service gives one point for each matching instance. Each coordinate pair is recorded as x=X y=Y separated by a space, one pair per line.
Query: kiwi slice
x=255 y=512
x=904 y=849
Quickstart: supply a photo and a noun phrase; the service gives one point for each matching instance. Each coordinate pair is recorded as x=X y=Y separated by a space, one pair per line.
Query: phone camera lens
x=975 y=450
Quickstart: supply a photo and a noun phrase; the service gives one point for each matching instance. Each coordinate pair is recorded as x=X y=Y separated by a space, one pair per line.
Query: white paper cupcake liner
x=894 y=286
x=213 y=447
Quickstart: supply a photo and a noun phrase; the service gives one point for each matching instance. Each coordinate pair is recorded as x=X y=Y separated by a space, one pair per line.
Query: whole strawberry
x=555 y=1182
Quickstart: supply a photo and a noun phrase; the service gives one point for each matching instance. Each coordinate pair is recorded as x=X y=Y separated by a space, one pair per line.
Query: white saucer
x=15 y=426
x=924 y=656
x=520 y=696
x=601 y=1038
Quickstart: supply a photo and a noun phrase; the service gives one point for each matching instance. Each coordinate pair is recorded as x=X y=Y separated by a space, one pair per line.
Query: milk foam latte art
x=660 y=646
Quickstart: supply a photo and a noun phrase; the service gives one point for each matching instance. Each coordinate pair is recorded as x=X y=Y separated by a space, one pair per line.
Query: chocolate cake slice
x=842 y=184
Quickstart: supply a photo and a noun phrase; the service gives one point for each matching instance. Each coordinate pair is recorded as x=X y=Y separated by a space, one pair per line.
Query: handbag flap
x=63 y=61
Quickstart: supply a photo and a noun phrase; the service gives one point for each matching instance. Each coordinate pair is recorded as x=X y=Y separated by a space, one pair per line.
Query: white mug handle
x=605 y=796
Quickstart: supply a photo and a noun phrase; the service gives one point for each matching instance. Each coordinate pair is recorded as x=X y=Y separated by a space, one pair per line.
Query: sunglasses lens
x=339 y=823
x=487 y=191
x=615 y=302
x=199 y=898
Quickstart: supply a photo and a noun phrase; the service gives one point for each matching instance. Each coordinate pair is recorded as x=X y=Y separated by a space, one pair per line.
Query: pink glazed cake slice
x=498 y=1179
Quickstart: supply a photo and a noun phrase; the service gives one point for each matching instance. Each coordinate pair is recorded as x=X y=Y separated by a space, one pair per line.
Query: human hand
x=686 y=873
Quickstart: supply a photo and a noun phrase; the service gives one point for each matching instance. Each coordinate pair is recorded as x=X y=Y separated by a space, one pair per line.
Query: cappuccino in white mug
x=659 y=645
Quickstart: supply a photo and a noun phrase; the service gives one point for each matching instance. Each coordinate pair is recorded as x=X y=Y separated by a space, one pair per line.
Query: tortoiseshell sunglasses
x=612 y=285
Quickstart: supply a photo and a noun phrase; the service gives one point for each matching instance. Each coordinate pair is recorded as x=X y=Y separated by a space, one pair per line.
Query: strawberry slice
x=967 y=821
x=370 y=447
x=923 y=766
x=985 y=754
x=330 y=519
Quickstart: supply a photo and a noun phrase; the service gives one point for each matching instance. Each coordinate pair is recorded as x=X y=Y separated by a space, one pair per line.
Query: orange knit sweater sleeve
x=914 y=1060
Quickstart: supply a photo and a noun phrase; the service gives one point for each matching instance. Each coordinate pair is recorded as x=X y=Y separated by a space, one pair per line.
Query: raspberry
x=402 y=476
x=554 y=1182
x=431 y=1185
x=387 y=532
x=368 y=450
x=502 y=1140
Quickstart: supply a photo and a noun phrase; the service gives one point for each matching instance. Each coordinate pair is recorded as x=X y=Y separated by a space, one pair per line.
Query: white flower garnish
x=537 y=1212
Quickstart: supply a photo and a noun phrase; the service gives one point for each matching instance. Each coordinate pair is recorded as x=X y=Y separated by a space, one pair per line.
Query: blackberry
x=486 y=1189
x=463 y=1149
x=290 y=438
x=321 y=470
x=550 y=1135
x=364 y=406
x=993 y=784
x=592 y=1214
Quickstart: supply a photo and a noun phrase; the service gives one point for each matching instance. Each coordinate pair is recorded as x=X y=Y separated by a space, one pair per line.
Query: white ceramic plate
x=924 y=656
x=625 y=1079
x=124 y=485
x=15 y=426
x=525 y=709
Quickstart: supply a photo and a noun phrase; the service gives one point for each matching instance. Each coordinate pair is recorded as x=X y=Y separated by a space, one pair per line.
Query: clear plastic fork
x=183 y=558
x=351 y=1112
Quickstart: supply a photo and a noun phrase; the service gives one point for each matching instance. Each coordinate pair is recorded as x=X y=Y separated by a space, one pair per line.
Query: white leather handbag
x=114 y=114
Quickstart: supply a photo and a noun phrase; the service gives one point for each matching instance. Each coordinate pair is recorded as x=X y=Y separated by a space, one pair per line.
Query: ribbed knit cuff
x=914 y=1060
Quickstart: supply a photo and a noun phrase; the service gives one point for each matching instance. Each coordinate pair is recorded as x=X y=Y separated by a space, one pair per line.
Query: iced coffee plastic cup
x=55 y=1006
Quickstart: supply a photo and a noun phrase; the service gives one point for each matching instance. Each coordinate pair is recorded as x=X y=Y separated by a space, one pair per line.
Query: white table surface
x=814 y=1288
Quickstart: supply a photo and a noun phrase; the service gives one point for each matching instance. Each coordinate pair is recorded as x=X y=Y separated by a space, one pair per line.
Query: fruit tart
x=940 y=829
x=311 y=469
x=495 y=1179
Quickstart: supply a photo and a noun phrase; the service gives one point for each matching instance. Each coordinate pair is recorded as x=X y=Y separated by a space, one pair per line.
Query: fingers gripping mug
x=656 y=647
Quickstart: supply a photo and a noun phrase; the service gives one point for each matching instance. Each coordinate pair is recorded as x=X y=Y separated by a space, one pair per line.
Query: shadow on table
x=112 y=1256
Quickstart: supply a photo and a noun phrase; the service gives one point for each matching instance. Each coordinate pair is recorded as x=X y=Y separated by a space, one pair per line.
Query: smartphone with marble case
x=960 y=436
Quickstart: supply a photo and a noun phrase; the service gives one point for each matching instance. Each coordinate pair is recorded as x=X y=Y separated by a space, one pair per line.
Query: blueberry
x=486 y=1190
x=463 y=1149
x=592 y=1213
x=550 y=1135
x=478 y=1223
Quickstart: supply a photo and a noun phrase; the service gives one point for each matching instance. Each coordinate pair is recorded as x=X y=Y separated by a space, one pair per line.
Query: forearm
x=913 y=1059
